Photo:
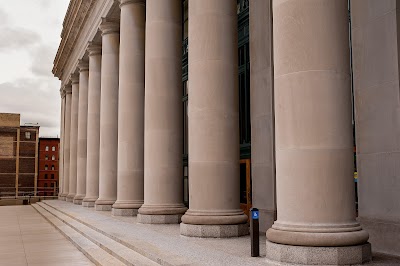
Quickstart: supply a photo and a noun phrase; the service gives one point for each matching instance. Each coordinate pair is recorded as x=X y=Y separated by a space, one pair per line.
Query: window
x=52 y=176
x=53 y=157
x=46 y=167
x=52 y=167
x=47 y=148
x=53 y=148
x=45 y=184
x=52 y=184
x=45 y=176
x=46 y=157
x=28 y=135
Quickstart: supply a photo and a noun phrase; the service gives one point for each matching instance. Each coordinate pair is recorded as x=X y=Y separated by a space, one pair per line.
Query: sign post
x=254 y=232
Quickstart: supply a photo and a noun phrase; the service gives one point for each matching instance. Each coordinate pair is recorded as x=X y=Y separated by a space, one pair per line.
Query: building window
x=53 y=157
x=45 y=184
x=45 y=176
x=52 y=176
x=53 y=148
x=47 y=148
x=52 y=184
x=52 y=167
x=28 y=135
x=46 y=167
x=46 y=157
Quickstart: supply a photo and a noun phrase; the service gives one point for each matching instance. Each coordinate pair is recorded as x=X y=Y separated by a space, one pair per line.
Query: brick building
x=47 y=182
x=18 y=156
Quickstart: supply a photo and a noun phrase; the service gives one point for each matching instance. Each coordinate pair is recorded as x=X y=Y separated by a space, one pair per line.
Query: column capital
x=94 y=48
x=108 y=26
x=62 y=92
x=74 y=78
x=127 y=2
x=83 y=65
x=68 y=89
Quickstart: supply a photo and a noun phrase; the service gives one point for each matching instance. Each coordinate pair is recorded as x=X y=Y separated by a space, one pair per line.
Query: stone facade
x=124 y=66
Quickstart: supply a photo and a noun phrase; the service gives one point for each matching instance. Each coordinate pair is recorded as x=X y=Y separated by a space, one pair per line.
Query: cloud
x=42 y=60
x=37 y=100
x=3 y=17
x=17 y=38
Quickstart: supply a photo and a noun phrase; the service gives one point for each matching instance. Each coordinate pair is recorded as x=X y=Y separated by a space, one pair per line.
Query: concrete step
x=120 y=254
x=95 y=254
x=144 y=248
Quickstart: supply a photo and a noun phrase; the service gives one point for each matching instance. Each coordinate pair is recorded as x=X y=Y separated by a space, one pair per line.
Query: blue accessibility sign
x=255 y=214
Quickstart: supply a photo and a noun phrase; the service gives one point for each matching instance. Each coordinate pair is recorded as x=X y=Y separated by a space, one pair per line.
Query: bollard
x=254 y=232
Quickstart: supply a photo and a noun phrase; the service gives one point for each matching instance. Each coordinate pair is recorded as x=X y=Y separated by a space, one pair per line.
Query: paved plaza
x=26 y=238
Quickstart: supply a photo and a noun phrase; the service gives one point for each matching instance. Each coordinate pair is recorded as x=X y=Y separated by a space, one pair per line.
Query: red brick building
x=47 y=183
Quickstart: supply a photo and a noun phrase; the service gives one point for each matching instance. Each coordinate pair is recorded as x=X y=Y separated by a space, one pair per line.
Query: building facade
x=18 y=157
x=48 y=179
x=193 y=112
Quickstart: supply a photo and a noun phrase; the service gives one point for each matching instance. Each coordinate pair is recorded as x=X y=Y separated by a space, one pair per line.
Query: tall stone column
x=316 y=221
x=61 y=146
x=66 y=137
x=82 y=132
x=262 y=112
x=131 y=109
x=108 y=116
x=73 y=137
x=163 y=170
x=214 y=208
x=93 y=126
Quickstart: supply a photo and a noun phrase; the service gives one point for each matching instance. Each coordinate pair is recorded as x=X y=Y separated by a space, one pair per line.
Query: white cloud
x=17 y=38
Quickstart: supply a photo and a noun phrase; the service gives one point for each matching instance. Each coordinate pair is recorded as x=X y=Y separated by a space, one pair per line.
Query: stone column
x=316 y=221
x=66 y=137
x=163 y=170
x=61 y=147
x=262 y=112
x=93 y=126
x=131 y=109
x=214 y=208
x=108 y=116
x=82 y=132
x=73 y=137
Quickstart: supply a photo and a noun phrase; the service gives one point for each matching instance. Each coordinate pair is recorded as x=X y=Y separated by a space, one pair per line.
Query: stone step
x=92 y=251
x=125 y=255
x=161 y=257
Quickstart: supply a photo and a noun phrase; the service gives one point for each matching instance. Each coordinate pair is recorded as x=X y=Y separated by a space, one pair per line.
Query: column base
x=124 y=212
x=214 y=231
x=77 y=201
x=88 y=204
x=102 y=207
x=159 y=218
x=278 y=254
x=70 y=197
x=61 y=198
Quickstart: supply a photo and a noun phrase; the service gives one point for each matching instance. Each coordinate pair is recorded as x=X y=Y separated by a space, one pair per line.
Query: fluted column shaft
x=213 y=121
x=314 y=140
x=82 y=132
x=163 y=172
x=67 y=135
x=73 y=137
x=131 y=109
x=61 y=146
x=108 y=116
x=93 y=126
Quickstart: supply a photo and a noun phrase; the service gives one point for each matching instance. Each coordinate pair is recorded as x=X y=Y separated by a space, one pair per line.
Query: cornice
x=89 y=30
x=77 y=14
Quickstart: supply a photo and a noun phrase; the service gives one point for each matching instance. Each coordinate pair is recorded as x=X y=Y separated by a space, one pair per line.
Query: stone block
x=124 y=212
x=214 y=231
x=159 y=219
x=107 y=207
x=88 y=204
x=301 y=255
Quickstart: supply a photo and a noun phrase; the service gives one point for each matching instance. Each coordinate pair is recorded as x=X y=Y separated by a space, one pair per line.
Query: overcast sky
x=29 y=37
